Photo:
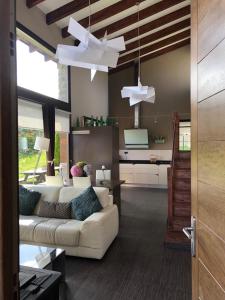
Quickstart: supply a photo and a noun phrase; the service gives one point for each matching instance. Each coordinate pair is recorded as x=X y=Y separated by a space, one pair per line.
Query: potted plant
x=81 y=174
x=159 y=140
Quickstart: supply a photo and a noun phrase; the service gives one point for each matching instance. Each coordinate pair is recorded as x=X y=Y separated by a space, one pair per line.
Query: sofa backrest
x=48 y=193
x=68 y=193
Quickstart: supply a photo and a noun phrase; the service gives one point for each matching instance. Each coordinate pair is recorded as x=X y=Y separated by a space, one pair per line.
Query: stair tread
x=182 y=204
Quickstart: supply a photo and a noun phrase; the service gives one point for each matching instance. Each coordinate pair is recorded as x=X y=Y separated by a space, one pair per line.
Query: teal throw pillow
x=27 y=201
x=85 y=204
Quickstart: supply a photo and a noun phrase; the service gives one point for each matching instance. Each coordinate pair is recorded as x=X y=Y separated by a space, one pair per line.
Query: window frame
x=30 y=95
x=183 y=121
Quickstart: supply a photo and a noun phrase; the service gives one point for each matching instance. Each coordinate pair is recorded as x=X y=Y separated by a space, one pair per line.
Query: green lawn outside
x=28 y=162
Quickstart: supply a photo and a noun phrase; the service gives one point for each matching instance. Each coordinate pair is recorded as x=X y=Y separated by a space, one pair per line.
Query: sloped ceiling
x=164 y=25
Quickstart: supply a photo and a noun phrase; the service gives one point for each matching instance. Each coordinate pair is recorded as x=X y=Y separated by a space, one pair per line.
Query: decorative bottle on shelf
x=97 y=122
x=107 y=121
x=92 y=121
x=101 y=121
x=77 y=122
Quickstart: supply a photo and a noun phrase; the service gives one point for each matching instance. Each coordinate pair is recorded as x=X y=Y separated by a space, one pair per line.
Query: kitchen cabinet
x=163 y=174
x=149 y=174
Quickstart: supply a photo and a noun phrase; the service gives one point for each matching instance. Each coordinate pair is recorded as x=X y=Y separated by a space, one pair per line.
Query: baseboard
x=150 y=186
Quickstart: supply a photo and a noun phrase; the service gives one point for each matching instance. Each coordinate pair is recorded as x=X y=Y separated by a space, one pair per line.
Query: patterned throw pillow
x=85 y=204
x=27 y=201
x=54 y=210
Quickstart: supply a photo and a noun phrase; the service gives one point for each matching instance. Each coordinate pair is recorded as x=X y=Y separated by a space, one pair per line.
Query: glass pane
x=28 y=156
x=62 y=153
x=38 y=70
x=185 y=136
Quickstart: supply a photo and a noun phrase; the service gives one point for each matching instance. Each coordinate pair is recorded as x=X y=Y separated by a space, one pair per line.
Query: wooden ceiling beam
x=158 y=35
x=107 y=12
x=166 y=42
x=131 y=19
x=151 y=55
x=32 y=3
x=67 y=10
x=180 y=13
x=143 y=14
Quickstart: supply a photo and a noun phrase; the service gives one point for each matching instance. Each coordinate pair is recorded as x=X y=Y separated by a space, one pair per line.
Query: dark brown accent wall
x=170 y=75
x=98 y=148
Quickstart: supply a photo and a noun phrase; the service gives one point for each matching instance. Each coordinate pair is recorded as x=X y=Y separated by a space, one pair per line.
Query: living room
x=104 y=151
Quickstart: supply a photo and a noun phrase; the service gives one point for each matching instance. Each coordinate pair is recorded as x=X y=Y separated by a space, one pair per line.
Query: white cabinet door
x=127 y=172
x=146 y=178
x=128 y=177
x=146 y=174
x=163 y=174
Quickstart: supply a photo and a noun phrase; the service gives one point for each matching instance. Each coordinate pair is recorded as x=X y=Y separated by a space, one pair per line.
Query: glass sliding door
x=30 y=126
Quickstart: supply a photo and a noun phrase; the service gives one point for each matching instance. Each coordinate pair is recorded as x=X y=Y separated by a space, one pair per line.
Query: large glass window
x=30 y=126
x=38 y=70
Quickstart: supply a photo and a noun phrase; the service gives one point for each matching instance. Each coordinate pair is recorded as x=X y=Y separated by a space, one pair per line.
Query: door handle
x=190 y=233
x=187 y=231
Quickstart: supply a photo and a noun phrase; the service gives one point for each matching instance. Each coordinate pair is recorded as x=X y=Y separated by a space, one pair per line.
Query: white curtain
x=62 y=121
x=30 y=115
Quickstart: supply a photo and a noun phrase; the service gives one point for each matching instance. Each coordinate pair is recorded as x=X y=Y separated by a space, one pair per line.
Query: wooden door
x=8 y=155
x=208 y=147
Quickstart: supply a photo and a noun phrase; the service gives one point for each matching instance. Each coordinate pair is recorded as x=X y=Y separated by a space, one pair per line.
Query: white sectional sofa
x=89 y=238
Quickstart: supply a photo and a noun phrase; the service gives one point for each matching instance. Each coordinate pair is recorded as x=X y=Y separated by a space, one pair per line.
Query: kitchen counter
x=157 y=162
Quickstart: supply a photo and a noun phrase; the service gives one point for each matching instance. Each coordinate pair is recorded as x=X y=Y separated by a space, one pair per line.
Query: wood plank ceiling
x=164 y=25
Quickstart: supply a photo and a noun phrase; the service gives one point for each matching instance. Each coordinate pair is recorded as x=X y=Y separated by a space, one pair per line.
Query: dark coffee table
x=43 y=284
x=41 y=257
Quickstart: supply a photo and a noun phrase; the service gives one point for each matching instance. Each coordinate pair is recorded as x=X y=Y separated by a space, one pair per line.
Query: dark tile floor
x=137 y=266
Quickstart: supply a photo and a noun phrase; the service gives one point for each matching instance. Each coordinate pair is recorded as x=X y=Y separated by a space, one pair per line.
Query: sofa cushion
x=27 y=226
x=68 y=193
x=48 y=193
x=68 y=234
x=27 y=201
x=58 y=232
x=85 y=204
x=54 y=210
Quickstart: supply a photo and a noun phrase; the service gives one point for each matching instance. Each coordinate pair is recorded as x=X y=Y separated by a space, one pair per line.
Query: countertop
x=157 y=162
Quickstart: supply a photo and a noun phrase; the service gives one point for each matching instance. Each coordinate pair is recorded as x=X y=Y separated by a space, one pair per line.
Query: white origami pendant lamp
x=138 y=93
x=92 y=53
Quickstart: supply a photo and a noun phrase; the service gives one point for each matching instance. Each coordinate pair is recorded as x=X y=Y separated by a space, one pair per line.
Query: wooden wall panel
x=208 y=287
x=211 y=120
x=210 y=19
x=208 y=153
x=211 y=73
x=194 y=136
x=211 y=163
x=211 y=253
x=208 y=212
x=9 y=220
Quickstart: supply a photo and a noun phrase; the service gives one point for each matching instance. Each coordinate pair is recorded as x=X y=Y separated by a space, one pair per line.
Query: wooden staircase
x=179 y=193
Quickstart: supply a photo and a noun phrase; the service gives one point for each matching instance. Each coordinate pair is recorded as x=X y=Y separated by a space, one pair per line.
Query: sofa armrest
x=99 y=230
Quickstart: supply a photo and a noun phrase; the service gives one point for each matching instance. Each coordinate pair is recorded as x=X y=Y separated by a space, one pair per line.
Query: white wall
x=87 y=98
x=34 y=19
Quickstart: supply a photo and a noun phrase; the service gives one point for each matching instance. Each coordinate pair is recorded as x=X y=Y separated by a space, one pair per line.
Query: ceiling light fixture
x=91 y=53
x=138 y=93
